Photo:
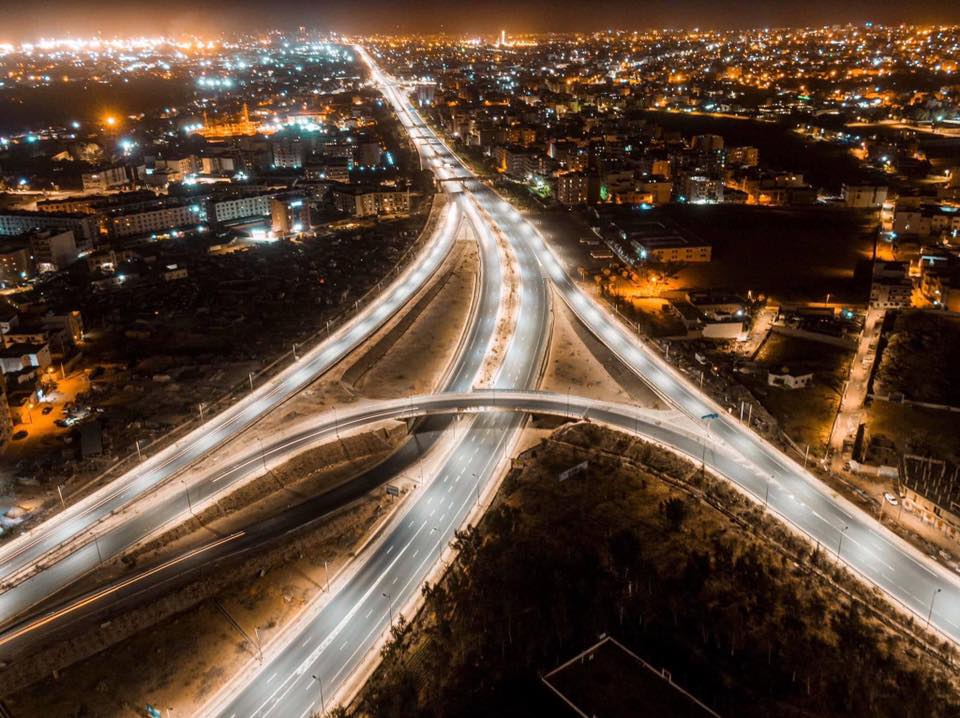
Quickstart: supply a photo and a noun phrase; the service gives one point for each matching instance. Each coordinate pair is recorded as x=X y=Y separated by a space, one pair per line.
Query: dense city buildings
x=327 y=360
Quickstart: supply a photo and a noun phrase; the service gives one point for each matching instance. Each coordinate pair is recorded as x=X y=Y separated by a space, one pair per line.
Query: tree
x=675 y=511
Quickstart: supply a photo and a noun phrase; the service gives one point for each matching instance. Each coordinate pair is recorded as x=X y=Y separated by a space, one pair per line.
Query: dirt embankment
x=313 y=472
x=422 y=343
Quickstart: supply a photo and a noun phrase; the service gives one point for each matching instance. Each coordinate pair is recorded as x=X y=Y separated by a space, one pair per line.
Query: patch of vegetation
x=806 y=415
x=915 y=430
x=921 y=359
x=752 y=626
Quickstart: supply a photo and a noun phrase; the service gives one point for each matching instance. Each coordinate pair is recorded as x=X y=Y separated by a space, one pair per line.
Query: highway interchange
x=757 y=467
x=64 y=544
x=329 y=646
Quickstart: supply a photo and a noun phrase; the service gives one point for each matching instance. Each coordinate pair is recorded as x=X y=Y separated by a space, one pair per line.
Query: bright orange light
x=111 y=120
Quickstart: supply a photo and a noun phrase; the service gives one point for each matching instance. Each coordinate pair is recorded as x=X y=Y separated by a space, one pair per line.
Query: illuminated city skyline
x=27 y=23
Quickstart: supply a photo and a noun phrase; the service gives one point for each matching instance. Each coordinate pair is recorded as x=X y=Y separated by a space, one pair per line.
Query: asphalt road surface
x=53 y=554
x=878 y=555
x=349 y=626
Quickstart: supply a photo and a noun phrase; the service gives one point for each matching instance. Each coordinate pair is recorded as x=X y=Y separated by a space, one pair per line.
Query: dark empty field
x=788 y=254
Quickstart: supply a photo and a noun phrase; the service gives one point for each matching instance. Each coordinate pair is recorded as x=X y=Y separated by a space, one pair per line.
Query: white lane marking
x=318 y=651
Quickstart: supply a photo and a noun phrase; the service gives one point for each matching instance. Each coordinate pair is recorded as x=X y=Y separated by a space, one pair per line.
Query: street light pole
x=200 y=406
x=389 y=607
x=139 y=455
x=186 y=490
x=263 y=457
x=250 y=377
x=930 y=612
x=323 y=707
x=60 y=492
x=706 y=419
x=840 y=543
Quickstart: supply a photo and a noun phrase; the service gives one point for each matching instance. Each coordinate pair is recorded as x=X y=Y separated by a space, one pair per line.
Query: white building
x=864 y=196
x=163 y=219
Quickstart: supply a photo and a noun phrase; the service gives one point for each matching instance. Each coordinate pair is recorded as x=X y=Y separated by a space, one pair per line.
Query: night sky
x=28 y=21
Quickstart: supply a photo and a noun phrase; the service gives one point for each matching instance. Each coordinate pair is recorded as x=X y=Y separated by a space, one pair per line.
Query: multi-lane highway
x=339 y=638
x=63 y=546
x=666 y=428
x=877 y=554
x=328 y=648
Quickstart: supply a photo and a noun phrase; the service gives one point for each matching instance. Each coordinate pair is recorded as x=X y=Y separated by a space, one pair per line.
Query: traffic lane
x=673 y=388
x=429 y=431
x=265 y=707
x=173 y=507
x=850 y=536
x=228 y=423
x=34 y=590
x=344 y=631
x=22 y=599
x=773 y=463
x=504 y=213
x=182 y=569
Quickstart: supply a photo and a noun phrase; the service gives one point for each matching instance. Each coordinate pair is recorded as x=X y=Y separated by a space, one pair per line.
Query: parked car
x=891 y=498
